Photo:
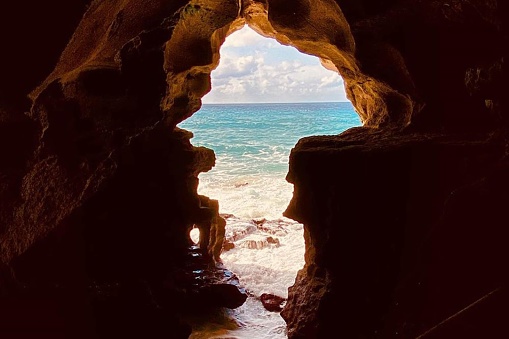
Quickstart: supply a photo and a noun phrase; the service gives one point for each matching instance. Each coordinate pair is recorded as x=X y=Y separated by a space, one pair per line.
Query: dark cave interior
x=98 y=187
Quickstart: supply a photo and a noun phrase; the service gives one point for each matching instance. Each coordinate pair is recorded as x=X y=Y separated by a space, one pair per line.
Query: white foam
x=248 y=196
x=262 y=266
x=270 y=269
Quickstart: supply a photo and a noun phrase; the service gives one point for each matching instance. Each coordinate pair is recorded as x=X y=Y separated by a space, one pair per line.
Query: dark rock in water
x=272 y=302
x=224 y=295
x=241 y=232
x=260 y=222
x=272 y=228
x=272 y=240
x=228 y=245
x=257 y=243
x=207 y=286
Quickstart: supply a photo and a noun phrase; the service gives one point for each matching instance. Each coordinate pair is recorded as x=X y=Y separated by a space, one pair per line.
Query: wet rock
x=223 y=295
x=207 y=285
x=274 y=241
x=258 y=242
x=274 y=228
x=238 y=230
x=271 y=302
x=259 y=222
x=228 y=245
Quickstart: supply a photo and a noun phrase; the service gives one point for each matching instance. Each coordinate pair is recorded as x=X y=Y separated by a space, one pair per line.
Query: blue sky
x=257 y=69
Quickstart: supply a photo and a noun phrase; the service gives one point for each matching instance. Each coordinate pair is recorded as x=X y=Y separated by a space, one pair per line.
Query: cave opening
x=194 y=235
x=264 y=98
x=403 y=218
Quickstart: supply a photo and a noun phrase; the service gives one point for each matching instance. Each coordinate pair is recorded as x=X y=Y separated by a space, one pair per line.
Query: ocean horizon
x=282 y=102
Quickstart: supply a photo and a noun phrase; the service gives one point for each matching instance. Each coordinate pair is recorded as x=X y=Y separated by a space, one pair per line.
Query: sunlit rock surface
x=404 y=218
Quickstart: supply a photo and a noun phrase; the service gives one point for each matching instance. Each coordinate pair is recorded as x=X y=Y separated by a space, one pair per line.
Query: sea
x=252 y=143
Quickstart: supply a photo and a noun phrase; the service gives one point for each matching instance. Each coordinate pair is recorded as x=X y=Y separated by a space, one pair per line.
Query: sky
x=258 y=69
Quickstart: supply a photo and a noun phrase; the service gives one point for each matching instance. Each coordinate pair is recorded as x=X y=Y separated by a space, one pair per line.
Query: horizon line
x=290 y=102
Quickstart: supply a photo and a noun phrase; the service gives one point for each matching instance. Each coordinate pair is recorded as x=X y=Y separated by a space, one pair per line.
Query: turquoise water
x=252 y=143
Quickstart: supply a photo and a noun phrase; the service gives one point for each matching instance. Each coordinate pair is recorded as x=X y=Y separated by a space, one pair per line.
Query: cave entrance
x=194 y=234
x=264 y=98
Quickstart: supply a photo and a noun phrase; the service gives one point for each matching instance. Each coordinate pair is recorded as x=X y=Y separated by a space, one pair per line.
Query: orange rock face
x=404 y=218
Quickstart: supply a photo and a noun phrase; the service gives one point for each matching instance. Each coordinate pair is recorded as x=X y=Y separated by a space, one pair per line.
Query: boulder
x=271 y=302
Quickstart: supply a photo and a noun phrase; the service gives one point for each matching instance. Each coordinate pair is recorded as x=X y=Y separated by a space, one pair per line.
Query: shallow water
x=252 y=143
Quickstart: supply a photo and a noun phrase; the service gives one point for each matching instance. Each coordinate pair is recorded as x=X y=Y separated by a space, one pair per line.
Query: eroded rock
x=403 y=219
x=362 y=264
x=271 y=302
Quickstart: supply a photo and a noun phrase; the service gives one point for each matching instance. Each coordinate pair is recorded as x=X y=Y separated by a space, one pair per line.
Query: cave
x=404 y=218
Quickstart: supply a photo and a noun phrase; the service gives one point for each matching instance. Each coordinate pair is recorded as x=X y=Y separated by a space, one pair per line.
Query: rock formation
x=271 y=302
x=404 y=218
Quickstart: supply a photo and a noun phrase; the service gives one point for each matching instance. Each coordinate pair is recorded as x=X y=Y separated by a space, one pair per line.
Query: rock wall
x=404 y=217
x=403 y=231
x=99 y=188
x=404 y=226
x=33 y=36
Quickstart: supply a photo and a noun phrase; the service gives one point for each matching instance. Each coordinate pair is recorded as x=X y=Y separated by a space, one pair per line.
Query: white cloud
x=247 y=37
x=330 y=81
x=257 y=69
x=235 y=67
x=233 y=86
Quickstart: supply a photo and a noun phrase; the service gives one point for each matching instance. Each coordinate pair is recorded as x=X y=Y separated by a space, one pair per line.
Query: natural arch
x=96 y=207
x=316 y=28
